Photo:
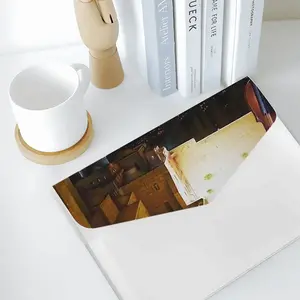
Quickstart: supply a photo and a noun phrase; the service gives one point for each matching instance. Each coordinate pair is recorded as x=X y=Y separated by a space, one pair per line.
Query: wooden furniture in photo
x=72 y=200
x=154 y=190
x=134 y=211
x=132 y=199
x=110 y=210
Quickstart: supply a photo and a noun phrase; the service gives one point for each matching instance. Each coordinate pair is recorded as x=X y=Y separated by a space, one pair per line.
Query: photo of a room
x=179 y=165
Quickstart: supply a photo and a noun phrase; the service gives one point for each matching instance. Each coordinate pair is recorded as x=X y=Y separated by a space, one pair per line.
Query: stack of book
x=195 y=46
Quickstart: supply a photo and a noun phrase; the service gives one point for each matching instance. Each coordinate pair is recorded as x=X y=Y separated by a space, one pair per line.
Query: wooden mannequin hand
x=99 y=28
x=98 y=25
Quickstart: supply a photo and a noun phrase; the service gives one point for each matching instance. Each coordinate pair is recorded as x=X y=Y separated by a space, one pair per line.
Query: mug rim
x=43 y=66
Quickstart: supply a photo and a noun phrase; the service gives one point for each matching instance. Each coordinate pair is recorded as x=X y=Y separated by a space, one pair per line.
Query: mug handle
x=84 y=77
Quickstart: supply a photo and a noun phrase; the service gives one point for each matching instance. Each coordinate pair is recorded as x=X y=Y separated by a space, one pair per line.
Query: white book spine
x=256 y=19
x=212 y=44
x=159 y=45
x=188 y=46
x=137 y=31
x=242 y=31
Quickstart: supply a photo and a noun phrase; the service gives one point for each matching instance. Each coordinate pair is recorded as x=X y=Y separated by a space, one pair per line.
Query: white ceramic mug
x=47 y=102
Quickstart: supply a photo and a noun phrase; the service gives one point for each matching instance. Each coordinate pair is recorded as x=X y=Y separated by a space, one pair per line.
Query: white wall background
x=282 y=9
x=36 y=24
x=32 y=24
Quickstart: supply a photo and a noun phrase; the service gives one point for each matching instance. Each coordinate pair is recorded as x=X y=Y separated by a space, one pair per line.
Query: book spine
x=244 y=35
x=160 y=46
x=212 y=44
x=188 y=46
x=229 y=35
x=255 y=26
x=136 y=47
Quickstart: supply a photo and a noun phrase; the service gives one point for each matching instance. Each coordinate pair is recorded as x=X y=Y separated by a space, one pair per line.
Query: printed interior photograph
x=181 y=164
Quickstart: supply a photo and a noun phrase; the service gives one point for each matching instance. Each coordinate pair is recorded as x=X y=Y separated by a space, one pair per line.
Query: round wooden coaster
x=55 y=158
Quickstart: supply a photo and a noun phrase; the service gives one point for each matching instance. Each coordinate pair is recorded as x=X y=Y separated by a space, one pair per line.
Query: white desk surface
x=41 y=255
